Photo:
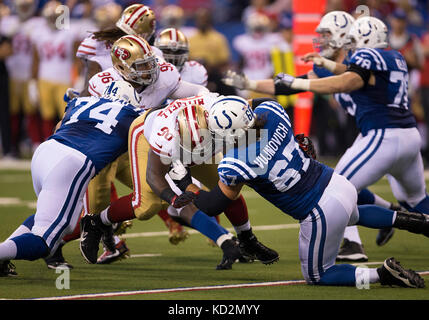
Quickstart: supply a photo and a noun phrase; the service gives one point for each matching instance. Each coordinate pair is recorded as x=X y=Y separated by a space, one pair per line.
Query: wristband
x=252 y=84
x=167 y=195
x=329 y=64
x=301 y=84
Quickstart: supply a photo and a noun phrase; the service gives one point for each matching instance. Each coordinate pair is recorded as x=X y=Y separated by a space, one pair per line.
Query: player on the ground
x=154 y=145
x=389 y=142
x=263 y=154
x=333 y=44
x=92 y=134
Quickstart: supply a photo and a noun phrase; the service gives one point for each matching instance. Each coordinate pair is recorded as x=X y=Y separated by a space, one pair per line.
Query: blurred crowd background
x=243 y=35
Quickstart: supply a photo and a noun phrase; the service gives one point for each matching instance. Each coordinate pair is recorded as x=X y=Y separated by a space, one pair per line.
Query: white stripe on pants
x=322 y=231
x=60 y=178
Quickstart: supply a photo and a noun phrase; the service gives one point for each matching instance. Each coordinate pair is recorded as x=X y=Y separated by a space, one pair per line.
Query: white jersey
x=256 y=53
x=20 y=62
x=160 y=126
x=55 y=49
x=98 y=51
x=194 y=72
x=152 y=96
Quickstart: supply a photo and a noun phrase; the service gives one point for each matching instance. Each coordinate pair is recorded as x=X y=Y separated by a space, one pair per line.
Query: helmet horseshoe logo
x=226 y=116
x=345 y=23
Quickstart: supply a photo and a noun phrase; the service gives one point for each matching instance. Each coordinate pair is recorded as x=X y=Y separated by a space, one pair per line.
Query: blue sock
x=30 y=247
x=365 y=197
x=422 y=206
x=208 y=226
x=29 y=222
x=339 y=275
x=376 y=217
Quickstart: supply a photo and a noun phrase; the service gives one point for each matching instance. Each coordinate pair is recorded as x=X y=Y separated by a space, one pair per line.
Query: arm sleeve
x=212 y=203
x=186 y=89
x=365 y=74
x=281 y=89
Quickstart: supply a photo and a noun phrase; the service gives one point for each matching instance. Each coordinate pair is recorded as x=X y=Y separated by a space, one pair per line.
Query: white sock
x=7 y=250
x=352 y=234
x=365 y=276
x=223 y=238
x=243 y=227
x=104 y=218
x=381 y=202
x=20 y=230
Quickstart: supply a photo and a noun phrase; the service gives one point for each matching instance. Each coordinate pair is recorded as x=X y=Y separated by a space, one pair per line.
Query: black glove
x=184 y=199
x=306 y=145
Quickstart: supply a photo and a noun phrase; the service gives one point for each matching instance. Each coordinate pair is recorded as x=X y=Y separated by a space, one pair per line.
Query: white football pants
x=60 y=178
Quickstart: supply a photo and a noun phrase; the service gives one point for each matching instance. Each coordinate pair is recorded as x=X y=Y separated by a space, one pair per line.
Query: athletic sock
x=237 y=212
x=339 y=275
x=29 y=247
x=351 y=233
x=208 y=226
x=367 y=197
x=7 y=250
x=375 y=217
x=25 y=227
x=121 y=210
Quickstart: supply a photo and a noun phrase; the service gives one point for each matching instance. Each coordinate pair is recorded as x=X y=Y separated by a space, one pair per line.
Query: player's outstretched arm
x=346 y=82
x=332 y=66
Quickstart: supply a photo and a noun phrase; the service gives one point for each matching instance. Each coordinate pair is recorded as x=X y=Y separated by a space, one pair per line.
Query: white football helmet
x=229 y=118
x=368 y=32
x=122 y=90
x=333 y=30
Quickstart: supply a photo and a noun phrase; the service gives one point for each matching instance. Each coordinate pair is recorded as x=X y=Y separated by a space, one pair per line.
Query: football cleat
x=177 y=233
x=121 y=252
x=391 y=273
x=252 y=249
x=7 y=269
x=91 y=231
x=384 y=235
x=57 y=261
x=351 y=251
x=120 y=228
x=231 y=252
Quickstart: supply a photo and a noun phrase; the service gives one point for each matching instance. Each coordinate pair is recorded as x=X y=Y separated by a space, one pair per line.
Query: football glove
x=185 y=198
x=70 y=94
x=240 y=81
x=180 y=175
x=306 y=145
x=285 y=79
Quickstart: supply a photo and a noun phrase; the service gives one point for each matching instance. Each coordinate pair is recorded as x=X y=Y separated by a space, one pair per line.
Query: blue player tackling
x=93 y=133
x=267 y=157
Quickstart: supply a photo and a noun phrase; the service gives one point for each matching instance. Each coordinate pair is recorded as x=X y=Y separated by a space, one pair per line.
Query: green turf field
x=156 y=264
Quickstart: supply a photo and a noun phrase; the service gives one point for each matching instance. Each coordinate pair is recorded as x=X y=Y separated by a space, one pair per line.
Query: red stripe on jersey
x=92 y=87
x=86 y=52
x=86 y=46
x=159 y=151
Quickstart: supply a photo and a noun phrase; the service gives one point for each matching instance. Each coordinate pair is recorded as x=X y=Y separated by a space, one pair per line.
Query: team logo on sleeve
x=121 y=53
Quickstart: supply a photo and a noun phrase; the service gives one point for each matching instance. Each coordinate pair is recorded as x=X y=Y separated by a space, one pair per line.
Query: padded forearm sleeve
x=212 y=203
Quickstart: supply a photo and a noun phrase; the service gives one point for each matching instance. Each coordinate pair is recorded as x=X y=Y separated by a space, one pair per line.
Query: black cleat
x=92 y=230
x=7 y=269
x=231 y=252
x=351 y=251
x=384 y=235
x=393 y=274
x=253 y=249
x=57 y=261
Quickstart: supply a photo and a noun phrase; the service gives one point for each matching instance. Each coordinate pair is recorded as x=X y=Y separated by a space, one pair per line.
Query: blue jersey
x=97 y=127
x=275 y=166
x=384 y=104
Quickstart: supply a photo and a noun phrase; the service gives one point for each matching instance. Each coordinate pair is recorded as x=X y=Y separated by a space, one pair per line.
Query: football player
x=264 y=155
x=175 y=49
x=255 y=46
x=333 y=45
x=92 y=134
x=19 y=29
x=52 y=65
x=389 y=142
x=154 y=145
x=95 y=50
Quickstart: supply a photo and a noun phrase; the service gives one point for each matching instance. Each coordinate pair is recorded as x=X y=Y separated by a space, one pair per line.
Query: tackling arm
x=186 y=89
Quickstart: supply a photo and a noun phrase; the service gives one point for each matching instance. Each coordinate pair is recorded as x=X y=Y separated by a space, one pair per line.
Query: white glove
x=33 y=92
x=292 y=82
x=240 y=81
x=180 y=175
x=284 y=78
